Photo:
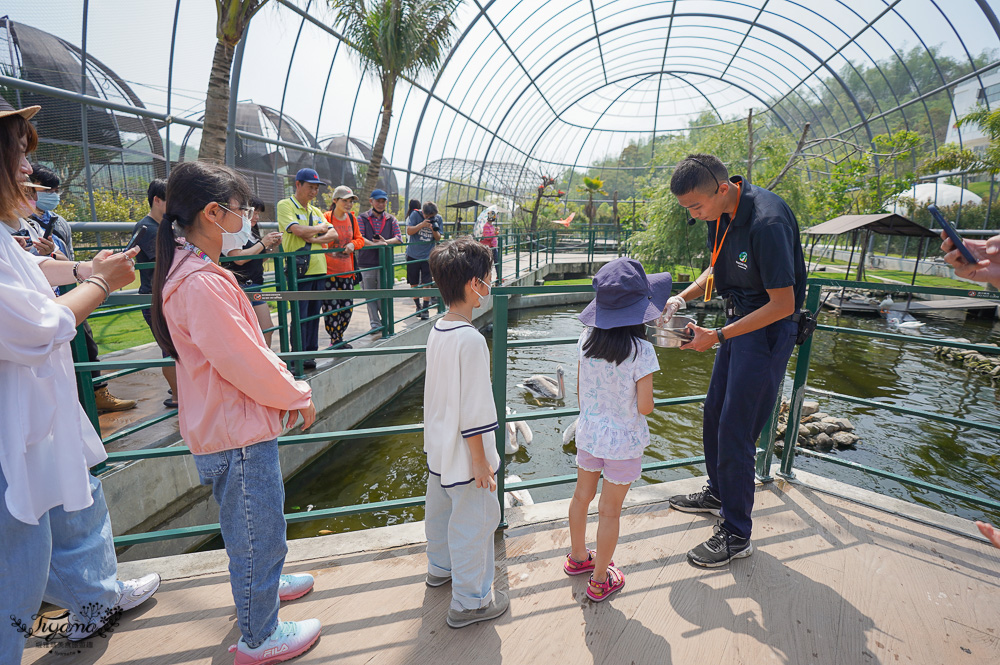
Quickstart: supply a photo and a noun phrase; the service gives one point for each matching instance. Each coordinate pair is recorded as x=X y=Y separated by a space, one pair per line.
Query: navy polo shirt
x=762 y=250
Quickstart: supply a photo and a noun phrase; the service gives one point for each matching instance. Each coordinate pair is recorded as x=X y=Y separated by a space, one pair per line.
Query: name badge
x=300 y=217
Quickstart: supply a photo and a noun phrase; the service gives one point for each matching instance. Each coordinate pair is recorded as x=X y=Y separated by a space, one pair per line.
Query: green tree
x=590 y=187
x=233 y=18
x=950 y=157
x=392 y=39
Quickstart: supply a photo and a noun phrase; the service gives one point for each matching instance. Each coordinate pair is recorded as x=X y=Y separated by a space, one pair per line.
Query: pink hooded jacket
x=232 y=387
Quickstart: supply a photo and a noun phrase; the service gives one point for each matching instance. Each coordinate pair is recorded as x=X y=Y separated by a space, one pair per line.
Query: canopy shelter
x=471 y=203
x=887 y=224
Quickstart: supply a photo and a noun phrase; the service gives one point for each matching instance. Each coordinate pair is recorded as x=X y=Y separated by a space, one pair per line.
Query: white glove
x=674 y=304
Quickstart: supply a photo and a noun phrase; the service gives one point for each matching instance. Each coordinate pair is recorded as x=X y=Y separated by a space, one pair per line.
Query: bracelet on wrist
x=92 y=280
x=718 y=333
x=76 y=272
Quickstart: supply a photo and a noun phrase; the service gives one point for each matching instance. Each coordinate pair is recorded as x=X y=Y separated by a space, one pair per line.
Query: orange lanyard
x=717 y=244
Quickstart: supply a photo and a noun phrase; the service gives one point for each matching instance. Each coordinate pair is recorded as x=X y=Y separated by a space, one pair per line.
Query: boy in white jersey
x=460 y=418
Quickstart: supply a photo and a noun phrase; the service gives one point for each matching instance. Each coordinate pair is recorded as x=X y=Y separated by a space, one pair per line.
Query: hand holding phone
x=952 y=234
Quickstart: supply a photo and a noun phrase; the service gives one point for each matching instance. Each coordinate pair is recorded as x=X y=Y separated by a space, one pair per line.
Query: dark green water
x=372 y=470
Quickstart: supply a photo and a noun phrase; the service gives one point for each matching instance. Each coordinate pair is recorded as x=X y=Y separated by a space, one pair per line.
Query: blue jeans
x=246 y=482
x=67 y=559
x=745 y=380
x=460 y=522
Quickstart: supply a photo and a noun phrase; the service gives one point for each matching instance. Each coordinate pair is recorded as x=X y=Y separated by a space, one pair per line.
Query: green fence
x=501 y=345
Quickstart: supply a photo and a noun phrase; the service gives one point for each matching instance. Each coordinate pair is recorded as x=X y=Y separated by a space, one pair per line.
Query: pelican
x=570 y=432
x=513 y=429
x=544 y=386
x=516 y=497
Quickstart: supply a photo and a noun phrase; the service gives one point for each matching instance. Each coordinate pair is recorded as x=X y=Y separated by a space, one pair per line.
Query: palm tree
x=392 y=39
x=590 y=187
x=233 y=18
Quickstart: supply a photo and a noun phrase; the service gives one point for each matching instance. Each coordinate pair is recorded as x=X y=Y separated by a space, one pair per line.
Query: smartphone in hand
x=135 y=238
x=952 y=234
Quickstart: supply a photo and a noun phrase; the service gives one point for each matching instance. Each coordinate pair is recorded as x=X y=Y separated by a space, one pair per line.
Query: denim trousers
x=67 y=559
x=372 y=280
x=246 y=483
x=746 y=377
x=307 y=308
x=460 y=523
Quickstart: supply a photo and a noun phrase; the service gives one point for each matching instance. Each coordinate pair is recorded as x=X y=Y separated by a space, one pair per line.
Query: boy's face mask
x=47 y=201
x=481 y=296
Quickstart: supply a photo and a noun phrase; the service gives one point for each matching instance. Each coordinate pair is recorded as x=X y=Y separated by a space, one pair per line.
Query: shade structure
x=888 y=224
x=532 y=89
x=469 y=204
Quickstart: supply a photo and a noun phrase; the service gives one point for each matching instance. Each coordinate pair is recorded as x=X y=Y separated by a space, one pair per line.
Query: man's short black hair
x=430 y=209
x=157 y=188
x=257 y=203
x=457 y=261
x=44 y=176
x=699 y=171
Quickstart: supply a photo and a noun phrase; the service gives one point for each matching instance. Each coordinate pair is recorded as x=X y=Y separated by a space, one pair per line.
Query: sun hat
x=344 y=192
x=27 y=112
x=625 y=295
x=379 y=194
x=308 y=175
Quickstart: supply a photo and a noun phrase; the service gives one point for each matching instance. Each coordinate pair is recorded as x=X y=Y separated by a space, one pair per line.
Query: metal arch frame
x=600 y=51
x=824 y=63
x=663 y=65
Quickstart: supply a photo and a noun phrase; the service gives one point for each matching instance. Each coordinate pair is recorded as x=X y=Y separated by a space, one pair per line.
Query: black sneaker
x=309 y=364
x=720 y=549
x=699 y=502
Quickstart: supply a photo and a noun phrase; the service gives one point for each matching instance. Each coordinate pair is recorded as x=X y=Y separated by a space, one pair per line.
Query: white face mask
x=231 y=241
x=47 y=201
x=489 y=291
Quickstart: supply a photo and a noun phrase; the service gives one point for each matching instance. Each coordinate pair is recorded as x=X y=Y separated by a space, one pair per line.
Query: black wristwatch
x=718 y=333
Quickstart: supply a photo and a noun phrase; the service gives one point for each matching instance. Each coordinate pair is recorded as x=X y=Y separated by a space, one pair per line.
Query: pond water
x=363 y=471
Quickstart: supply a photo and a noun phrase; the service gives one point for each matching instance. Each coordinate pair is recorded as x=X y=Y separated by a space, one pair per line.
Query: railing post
x=765 y=446
x=798 y=390
x=296 y=327
x=500 y=248
x=387 y=264
x=85 y=380
x=500 y=389
x=517 y=255
x=283 y=306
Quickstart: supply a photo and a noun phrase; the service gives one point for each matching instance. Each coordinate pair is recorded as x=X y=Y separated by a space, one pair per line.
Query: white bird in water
x=570 y=432
x=511 y=432
x=540 y=385
x=516 y=497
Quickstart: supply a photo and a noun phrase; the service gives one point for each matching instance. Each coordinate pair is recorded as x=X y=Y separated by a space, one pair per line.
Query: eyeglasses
x=246 y=210
x=710 y=172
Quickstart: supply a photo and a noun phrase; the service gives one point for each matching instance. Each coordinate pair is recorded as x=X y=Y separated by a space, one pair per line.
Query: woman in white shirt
x=55 y=531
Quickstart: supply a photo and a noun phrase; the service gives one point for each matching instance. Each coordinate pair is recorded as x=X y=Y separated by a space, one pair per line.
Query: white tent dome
x=939 y=194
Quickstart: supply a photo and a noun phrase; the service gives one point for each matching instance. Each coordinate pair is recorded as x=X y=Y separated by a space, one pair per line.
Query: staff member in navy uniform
x=757 y=266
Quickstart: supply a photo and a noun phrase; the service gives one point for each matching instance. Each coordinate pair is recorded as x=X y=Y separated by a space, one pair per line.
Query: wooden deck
x=832 y=581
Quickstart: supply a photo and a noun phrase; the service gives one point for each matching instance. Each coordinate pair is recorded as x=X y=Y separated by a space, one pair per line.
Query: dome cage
x=125 y=151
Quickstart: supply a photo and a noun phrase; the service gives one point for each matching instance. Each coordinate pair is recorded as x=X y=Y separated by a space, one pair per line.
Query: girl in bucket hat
x=615 y=392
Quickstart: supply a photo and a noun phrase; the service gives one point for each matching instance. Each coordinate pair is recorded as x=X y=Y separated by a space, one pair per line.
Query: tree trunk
x=375 y=164
x=534 y=213
x=213 y=136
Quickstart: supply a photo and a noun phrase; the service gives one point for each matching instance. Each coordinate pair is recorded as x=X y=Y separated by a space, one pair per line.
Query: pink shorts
x=617 y=471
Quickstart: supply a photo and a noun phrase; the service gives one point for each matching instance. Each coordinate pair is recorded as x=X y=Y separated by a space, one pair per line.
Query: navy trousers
x=746 y=377
x=310 y=329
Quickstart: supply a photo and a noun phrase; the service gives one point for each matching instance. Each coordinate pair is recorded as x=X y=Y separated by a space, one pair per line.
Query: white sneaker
x=291 y=587
x=132 y=594
x=289 y=639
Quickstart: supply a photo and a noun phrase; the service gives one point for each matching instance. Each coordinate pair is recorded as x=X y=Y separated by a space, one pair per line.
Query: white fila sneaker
x=289 y=639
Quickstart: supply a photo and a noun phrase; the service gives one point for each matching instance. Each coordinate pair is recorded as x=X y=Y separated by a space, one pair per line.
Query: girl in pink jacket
x=235 y=393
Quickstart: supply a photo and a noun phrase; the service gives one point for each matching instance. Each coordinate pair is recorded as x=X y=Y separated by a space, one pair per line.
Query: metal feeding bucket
x=672 y=333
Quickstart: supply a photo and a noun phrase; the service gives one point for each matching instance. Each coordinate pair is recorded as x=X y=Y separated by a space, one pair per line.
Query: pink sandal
x=574 y=567
x=598 y=591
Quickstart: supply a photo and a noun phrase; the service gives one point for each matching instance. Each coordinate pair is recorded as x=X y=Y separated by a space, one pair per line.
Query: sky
x=486 y=78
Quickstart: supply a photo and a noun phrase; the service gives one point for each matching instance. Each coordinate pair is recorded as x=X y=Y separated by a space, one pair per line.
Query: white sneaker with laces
x=132 y=594
x=289 y=639
x=291 y=587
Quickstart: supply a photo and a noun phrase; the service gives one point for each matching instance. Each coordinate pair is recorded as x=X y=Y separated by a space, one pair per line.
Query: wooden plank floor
x=832 y=581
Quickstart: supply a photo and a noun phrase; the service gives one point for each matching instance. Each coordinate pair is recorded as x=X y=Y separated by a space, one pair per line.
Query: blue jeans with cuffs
x=460 y=522
x=246 y=483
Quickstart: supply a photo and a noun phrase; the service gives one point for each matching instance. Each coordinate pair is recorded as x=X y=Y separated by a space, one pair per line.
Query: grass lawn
x=900 y=276
x=120 y=331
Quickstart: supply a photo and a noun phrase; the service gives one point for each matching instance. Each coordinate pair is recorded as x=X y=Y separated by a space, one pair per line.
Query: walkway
x=832 y=581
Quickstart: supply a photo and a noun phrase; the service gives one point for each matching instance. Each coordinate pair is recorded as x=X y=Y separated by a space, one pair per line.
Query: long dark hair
x=614 y=344
x=13 y=128
x=192 y=186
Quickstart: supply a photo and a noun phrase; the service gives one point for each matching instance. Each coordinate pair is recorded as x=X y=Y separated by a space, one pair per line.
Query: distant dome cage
x=125 y=151
x=346 y=172
x=510 y=180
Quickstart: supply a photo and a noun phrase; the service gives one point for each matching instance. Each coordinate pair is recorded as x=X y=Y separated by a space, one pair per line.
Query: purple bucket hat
x=625 y=296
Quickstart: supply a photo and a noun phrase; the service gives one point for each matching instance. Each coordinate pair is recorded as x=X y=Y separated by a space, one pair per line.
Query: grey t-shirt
x=419 y=246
